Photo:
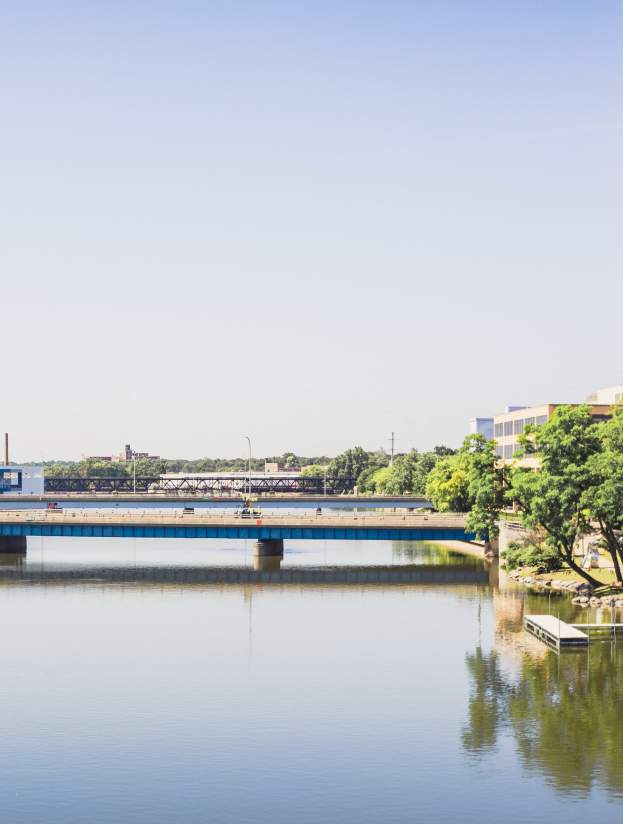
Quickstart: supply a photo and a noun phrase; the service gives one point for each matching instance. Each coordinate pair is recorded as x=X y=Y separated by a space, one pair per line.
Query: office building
x=481 y=426
x=509 y=425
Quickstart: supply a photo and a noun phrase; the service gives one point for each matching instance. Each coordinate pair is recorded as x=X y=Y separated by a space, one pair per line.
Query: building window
x=518 y=427
x=499 y=430
x=541 y=419
x=529 y=421
x=508 y=450
x=499 y=452
x=508 y=428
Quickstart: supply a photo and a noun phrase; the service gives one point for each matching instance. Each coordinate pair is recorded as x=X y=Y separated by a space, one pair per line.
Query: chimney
x=6 y=448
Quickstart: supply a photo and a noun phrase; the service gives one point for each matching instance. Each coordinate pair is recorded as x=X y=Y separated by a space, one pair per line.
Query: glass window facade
x=499 y=430
x=508 y=427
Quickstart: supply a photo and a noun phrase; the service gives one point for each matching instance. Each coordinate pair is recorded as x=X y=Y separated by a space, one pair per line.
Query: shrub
x=525 y=554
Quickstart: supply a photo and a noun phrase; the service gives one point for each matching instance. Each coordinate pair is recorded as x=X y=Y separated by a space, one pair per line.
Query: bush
x=525 y=554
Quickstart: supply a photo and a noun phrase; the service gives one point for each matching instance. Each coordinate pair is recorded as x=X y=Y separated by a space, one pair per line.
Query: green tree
x=409 y=472
x=381 y=480
x=348 y=466
x=486 y=481
x=604 y=498
x=553 y=498
x=313 y=471
x=443 y=451
x=447 y=485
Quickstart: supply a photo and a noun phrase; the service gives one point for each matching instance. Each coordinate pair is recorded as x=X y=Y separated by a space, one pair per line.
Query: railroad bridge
x=268 y=483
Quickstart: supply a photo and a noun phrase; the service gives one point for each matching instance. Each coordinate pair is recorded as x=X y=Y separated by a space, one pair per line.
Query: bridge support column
x=267 y=563
x=14 y=544
x=268 y=546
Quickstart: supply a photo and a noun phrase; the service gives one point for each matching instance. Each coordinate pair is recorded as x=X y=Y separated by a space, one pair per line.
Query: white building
x=611 y=395
x=21 y=480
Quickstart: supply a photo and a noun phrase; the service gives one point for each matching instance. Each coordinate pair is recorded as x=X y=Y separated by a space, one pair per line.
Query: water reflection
x=563 y=711
x=168 y=681
x=216 y=561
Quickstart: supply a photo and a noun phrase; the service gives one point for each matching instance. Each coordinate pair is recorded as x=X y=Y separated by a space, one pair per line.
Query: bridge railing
x=411 y=519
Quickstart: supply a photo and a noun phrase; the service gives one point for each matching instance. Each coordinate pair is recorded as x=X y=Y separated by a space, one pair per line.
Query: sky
x=309 y=223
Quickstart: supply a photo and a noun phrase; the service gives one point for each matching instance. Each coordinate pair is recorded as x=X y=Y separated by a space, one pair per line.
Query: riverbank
x=566 y=581
x=464 y=547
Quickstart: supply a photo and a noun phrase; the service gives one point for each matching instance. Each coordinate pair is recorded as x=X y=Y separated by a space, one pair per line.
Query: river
x=161 y=697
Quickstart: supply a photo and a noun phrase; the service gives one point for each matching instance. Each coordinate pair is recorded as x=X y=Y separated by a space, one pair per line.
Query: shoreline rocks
x=580 y=590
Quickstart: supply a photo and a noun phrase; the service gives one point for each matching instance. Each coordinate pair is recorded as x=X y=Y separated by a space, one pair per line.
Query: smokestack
x=6 y=448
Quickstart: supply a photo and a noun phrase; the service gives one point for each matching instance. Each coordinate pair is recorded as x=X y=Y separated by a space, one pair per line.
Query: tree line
x=149 y=468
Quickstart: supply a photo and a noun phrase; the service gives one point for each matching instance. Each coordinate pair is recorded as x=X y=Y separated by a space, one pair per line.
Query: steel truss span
x=202 y=486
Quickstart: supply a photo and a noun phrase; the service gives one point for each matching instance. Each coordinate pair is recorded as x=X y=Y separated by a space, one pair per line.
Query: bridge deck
x=369 y=526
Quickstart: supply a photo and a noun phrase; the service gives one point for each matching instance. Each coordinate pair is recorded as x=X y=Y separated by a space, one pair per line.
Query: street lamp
x=249 y=440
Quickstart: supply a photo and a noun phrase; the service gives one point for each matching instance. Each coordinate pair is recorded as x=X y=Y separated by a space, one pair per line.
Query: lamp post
x=249 y=440
x=134 y=473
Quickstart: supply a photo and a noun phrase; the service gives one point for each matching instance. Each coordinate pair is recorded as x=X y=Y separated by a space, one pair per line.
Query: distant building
x=509 y=425
x=481 y=426
x=611 y=395
x=21 y=480
x=128 y=454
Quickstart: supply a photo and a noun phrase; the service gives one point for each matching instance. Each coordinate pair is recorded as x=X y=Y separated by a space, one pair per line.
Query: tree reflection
x=564 y=713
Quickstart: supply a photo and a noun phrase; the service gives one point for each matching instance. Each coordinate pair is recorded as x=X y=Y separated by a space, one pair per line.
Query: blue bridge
x=268 y=531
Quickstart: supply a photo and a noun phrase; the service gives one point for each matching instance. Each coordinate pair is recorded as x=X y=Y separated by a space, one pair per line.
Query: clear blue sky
x=312 y=223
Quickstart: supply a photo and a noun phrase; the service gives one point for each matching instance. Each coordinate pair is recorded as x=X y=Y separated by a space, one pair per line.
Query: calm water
x=159 y=701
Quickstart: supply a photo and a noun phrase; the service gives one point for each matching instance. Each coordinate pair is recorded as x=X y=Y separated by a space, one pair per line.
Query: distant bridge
x=203 y=485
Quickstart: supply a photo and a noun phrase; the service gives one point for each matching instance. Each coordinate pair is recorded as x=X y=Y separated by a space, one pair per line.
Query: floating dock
x=554 y=632
x=601 y=632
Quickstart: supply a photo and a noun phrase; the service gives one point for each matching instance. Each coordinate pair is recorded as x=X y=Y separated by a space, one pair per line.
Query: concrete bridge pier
x=268 y=547
x=267 y=563
x=14 y=544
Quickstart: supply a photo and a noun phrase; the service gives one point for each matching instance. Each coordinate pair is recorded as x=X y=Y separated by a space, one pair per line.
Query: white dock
x=554 y=632
x=600 y=631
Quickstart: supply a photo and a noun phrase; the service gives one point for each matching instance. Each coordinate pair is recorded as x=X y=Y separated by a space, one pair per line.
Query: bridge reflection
x=15 y=570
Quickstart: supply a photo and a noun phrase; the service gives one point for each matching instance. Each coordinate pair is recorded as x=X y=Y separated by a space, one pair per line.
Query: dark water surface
x=160 y=701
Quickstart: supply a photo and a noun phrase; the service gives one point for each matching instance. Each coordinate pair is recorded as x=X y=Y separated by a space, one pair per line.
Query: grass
x=604 y=576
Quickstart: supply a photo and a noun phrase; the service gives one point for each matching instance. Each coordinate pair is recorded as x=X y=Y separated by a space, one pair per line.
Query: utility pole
x=249 y=440
x=393 y=440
